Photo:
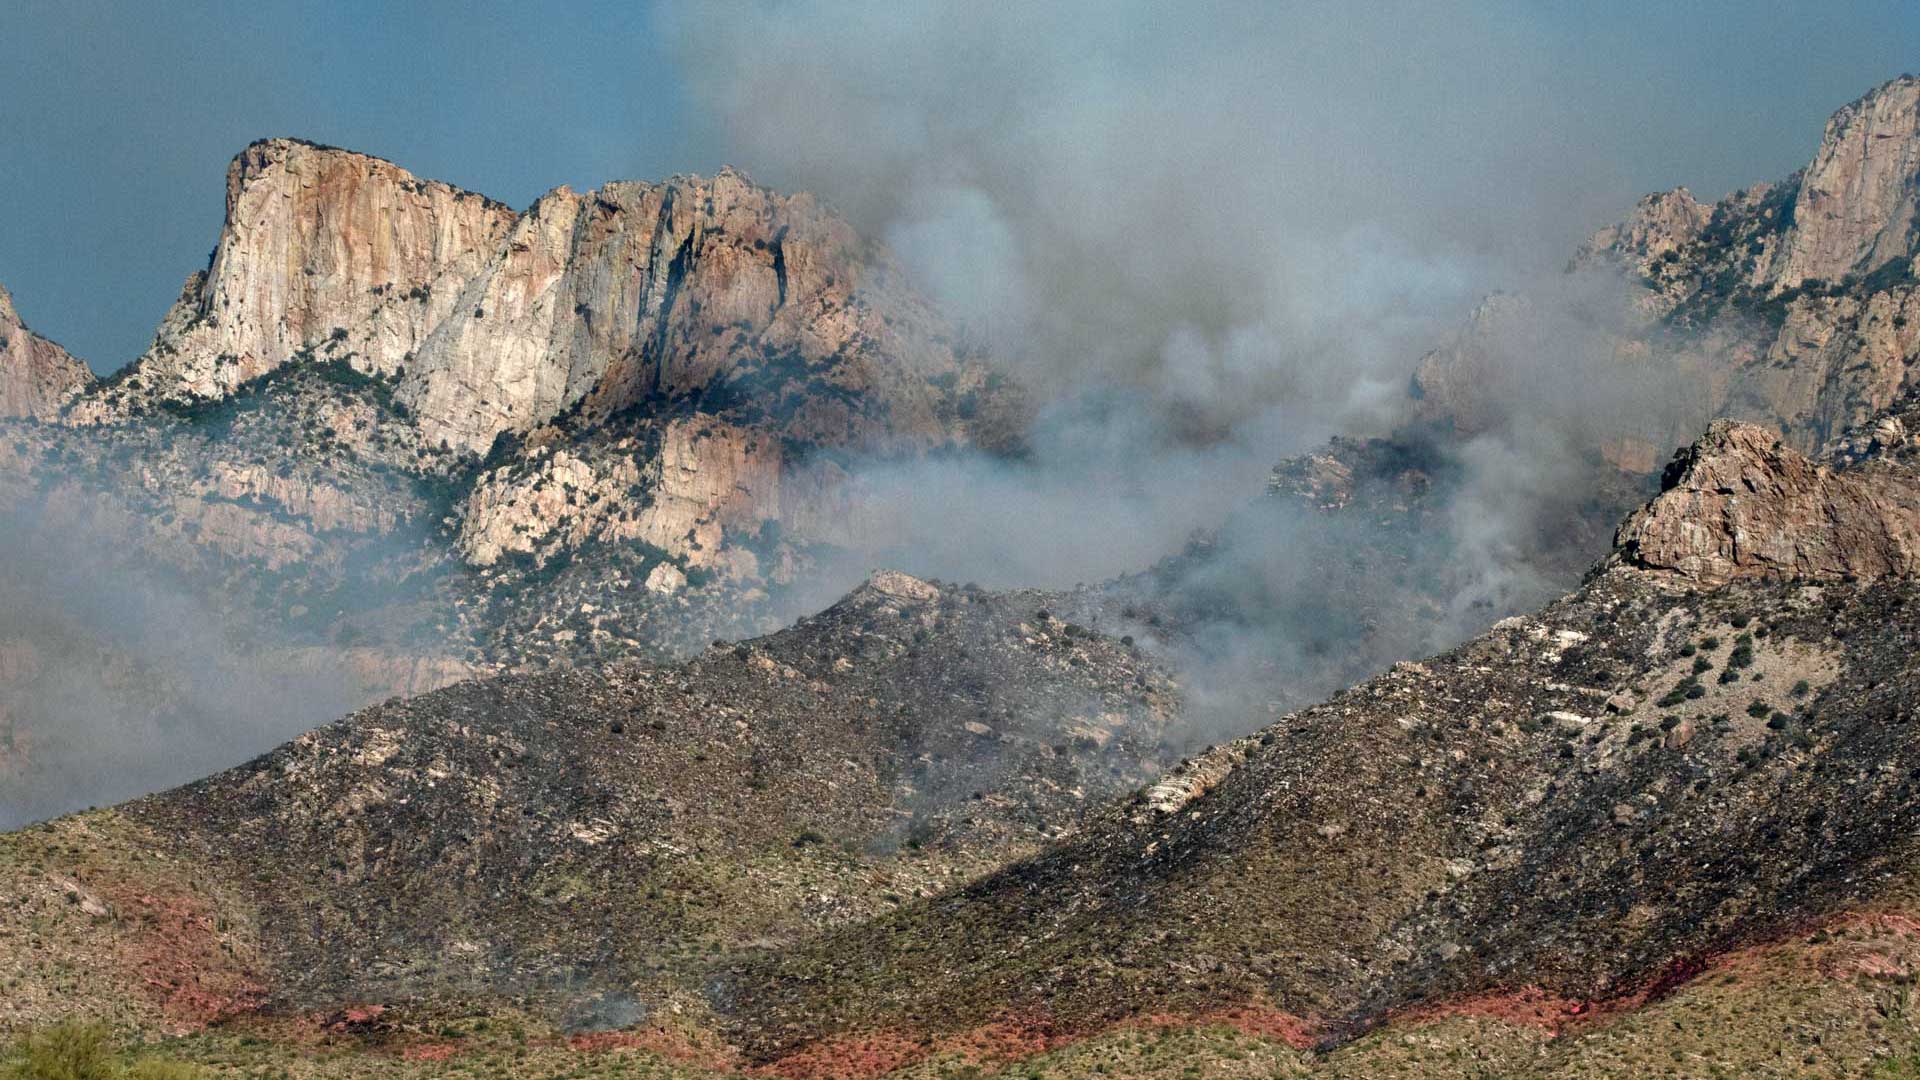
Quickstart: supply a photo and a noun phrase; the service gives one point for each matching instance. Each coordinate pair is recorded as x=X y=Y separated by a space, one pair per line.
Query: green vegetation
x=84 y=1051
x=1742 y=654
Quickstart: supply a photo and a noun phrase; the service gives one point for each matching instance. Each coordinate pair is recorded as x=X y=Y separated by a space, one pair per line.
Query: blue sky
x=117 y=119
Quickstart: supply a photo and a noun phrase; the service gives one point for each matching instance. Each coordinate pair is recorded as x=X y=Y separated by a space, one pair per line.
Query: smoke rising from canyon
x=114 y=683
x=1232 y=207
x=1209 y=238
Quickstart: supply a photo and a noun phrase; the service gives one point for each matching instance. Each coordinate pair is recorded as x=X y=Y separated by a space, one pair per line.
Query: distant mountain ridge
x=1659 y=825
x=1793 y=304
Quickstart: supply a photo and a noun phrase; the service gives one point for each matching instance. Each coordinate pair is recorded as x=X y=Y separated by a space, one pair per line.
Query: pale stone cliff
x=494 y=322
x=680 y=490
x=37 y=377
x=322 y=249
x=1855 y=210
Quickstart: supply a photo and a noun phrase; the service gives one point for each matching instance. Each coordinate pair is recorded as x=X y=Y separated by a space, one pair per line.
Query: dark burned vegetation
x=533 y=833
x=1494 y=810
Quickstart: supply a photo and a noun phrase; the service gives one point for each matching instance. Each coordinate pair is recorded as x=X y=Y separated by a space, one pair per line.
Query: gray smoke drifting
x=1232 y=206
x=114 y=683
x=1209 y=236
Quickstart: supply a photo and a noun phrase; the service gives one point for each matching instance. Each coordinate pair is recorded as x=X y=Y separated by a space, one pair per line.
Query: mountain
x=1665 y=815
x=397 y=433
x=1546 y=417
x=664 y=371
x=1784 y=304
x=1657 y=824
x=37 y=377
x=558 y=835
x=492 y=322
x=1703 y=750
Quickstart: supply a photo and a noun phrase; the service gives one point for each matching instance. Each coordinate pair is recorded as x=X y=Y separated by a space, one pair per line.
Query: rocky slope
x=1675 y=801
x=1531 y=431
x=395 y=418
x=37 y=377
x=575 y=833
x=640 y=365
x=1593 y=803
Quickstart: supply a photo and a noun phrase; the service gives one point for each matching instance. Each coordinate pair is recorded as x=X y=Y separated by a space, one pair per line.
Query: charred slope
x=1362 y=554
x=574 y=829
x=1590 y=800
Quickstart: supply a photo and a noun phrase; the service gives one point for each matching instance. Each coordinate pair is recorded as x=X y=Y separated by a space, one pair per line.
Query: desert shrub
x=70 y=1051
x=84 y=1051
x=1688 y=689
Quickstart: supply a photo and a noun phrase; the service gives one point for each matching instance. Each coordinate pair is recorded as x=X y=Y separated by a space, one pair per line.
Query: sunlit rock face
x=1740 y=504
x=322 y=249
x=493 y=321
x=1855 y=209
x=37 y=376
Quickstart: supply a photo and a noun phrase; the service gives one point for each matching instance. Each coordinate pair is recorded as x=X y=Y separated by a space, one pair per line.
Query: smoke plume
x=113 y=682
x=1209 y=237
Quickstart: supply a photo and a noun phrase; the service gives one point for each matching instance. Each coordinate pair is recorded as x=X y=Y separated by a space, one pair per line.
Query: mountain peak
x=263 y=157
x=495 y=322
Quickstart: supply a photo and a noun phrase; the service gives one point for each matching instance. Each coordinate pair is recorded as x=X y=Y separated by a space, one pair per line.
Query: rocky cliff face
x=493 y=322
x=396 y=433
x=756 y=304
x=1855 y=210
x=37 y=377
x=681 y=488
x=1663 y=222
x=635 y=369
x=1740 y=504
x=1790 y=305
x=322 y=249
